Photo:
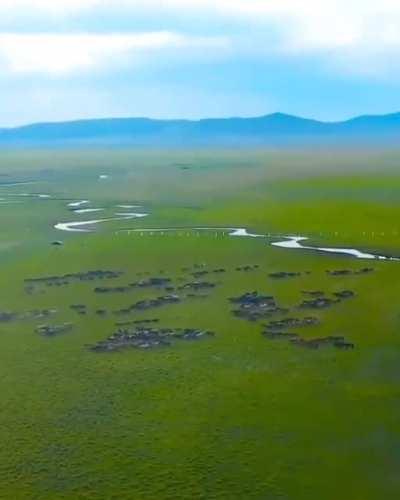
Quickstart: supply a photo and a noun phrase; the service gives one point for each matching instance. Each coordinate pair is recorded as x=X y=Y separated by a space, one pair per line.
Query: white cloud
x=302 y=24
x=62 y=54
x=52 y=6
x=341 y=31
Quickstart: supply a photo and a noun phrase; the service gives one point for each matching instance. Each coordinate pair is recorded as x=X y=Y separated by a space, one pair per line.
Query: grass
x=234 y=417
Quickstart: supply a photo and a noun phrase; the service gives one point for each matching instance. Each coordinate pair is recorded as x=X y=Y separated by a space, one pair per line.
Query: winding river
x=82 y=226
x=289 y=242
x=295 y=242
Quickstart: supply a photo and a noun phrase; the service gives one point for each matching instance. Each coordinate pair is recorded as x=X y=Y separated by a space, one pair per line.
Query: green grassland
x=237 y=416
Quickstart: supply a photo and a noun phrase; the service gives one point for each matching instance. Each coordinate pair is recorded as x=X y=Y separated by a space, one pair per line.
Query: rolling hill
x=276 y=129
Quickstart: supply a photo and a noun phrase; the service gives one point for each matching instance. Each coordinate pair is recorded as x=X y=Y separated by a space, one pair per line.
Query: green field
x=234 y=416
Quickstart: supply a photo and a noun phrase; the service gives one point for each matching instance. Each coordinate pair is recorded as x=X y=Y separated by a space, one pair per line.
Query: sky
x=73 y=59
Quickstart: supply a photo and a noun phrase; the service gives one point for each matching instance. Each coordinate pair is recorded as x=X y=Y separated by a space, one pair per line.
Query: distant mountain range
x=275 y=130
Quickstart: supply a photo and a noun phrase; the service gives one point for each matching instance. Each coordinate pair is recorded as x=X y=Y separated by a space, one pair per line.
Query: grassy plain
x=234 y=417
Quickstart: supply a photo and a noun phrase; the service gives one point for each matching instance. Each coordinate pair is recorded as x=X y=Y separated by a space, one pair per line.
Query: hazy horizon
x=180 y=118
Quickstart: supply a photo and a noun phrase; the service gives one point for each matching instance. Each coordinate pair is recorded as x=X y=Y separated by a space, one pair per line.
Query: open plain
x=156 y=343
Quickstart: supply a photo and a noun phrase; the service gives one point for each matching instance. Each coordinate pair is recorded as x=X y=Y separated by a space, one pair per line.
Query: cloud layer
x=339 y=30
x=62 y=54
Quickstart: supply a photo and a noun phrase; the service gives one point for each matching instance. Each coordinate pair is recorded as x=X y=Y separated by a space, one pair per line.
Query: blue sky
x=67 y=59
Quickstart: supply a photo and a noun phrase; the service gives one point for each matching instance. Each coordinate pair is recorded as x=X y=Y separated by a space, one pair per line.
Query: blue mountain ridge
x=273 y=129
